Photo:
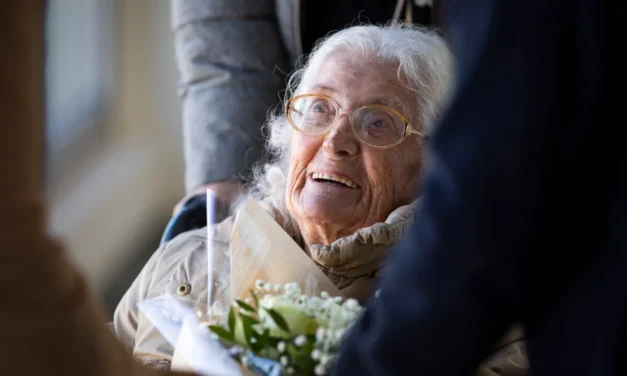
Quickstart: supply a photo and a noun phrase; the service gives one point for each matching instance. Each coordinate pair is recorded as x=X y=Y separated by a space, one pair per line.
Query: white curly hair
x=424 y=61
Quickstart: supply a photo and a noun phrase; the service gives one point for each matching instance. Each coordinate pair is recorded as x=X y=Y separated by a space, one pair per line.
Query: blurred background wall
x=114 y=164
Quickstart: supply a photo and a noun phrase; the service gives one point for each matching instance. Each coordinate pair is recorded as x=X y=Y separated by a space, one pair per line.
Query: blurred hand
x=226 y=192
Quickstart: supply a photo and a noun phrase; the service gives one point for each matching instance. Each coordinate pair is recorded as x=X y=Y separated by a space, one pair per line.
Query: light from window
x=78 y=69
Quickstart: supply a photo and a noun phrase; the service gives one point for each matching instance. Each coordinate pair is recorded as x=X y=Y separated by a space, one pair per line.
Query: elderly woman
x=348 y=149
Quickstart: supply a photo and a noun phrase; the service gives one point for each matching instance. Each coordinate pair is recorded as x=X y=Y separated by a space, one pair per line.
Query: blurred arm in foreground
x=524 y=210
x=49 y=323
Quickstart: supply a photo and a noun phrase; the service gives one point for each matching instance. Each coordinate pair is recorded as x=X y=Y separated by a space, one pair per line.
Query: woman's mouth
x=323 y=177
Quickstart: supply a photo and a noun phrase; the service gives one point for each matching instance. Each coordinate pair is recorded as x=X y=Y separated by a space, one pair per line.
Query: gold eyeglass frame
x=409 y=129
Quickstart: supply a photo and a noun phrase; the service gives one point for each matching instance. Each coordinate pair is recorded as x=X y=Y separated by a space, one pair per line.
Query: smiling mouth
x=334 y=179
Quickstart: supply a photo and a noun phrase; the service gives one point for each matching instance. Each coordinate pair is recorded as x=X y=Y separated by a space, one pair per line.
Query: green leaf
x=245 y=306
x=222 y=333
x=247 y=323
x=231 y=320
x=263 y=340
x=255 y=298
x=253 y=318
x=301 y=356
x=278 y=319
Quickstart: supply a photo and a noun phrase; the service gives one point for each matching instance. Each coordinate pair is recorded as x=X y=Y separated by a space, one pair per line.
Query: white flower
x=300 y=340
x=259 y=284
x=291 y=289
x=253 y=340
x=278 y=288
x=351 y=304
x=268 y=287
x=281 y=347
x=248 y=301
x=290 y=370
x=325 y=359
x=324 y=295
x=284 y=361
x=315 y=355
x=320 y=333
x=319 y=370
x=348 y=316
x=267 y=301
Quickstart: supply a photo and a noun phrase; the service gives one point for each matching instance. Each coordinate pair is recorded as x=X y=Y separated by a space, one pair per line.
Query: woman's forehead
x=352 y=81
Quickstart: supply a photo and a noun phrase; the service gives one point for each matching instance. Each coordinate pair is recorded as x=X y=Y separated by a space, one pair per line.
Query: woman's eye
x=319 y=108
x=379 y=124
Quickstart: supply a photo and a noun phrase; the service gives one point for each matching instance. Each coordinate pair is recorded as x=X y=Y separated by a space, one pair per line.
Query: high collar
x=363 y=252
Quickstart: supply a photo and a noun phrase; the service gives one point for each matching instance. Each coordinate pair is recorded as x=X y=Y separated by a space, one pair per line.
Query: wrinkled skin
x=385 y=178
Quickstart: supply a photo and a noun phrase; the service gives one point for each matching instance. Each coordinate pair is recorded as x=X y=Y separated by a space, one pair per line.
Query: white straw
x=211 y=219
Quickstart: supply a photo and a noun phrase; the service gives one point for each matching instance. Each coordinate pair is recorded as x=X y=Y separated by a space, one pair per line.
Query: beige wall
x=114 y=198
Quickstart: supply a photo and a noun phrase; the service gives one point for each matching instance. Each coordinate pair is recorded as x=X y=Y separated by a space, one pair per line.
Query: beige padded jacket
x=178 y=269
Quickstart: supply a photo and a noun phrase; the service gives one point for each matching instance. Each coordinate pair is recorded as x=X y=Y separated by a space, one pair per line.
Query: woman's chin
x=325 y=209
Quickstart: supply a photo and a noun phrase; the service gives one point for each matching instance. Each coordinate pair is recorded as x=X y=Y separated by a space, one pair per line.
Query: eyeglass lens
x=376 y=126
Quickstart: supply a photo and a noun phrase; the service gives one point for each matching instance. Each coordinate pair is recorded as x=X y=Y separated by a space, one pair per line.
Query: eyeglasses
x=374 y=125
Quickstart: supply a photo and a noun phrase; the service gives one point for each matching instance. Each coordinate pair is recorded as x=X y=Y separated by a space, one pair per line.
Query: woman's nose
x=341 y=140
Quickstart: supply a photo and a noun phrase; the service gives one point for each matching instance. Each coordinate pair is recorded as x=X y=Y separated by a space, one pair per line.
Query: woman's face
x=369 y=182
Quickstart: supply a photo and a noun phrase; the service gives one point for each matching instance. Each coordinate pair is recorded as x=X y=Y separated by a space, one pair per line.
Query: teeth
x=318 y=175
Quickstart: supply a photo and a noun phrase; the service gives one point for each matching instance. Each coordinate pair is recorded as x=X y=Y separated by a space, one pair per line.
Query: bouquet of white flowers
x=280 y=315
x=301 y=334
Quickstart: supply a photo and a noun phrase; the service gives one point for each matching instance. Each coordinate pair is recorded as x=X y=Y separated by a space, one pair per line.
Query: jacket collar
x=363 y=252
x=359 y=254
